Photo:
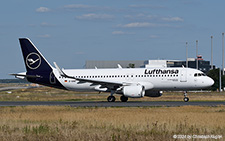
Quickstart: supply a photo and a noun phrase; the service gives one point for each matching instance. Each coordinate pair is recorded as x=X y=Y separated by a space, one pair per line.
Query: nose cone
x=210 y=81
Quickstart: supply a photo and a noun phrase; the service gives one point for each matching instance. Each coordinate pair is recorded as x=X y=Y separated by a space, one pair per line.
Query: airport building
x=114 y=64
x=202 y=64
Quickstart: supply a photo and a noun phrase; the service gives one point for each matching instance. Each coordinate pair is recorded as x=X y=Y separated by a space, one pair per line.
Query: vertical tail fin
x=34 y=60
x=38 y=69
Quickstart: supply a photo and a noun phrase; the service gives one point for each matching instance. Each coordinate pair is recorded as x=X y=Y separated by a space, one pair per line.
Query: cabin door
x=183 y=75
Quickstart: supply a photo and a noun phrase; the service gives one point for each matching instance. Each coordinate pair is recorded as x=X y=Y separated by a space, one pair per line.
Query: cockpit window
x=199 y=74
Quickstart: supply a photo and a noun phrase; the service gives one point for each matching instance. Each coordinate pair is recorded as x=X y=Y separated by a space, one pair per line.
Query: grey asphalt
x=111 y=104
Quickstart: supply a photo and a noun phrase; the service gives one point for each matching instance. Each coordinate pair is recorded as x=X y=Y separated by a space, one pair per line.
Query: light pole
x=197 y=54
x=220 y=80
x=223 y=52
x=186 y=55
x=211 y=52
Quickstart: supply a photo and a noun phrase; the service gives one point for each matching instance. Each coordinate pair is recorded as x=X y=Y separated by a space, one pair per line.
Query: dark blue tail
x=34 y=60
x=38 y=69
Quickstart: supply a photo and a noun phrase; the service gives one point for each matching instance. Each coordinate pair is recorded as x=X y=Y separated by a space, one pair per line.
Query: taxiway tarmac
x=110 y=104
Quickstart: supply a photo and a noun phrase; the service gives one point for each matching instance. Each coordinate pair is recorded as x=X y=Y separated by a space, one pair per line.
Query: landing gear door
x=183 y=75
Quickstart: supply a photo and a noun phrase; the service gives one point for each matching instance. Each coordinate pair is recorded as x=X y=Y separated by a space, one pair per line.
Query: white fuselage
x=150 y=78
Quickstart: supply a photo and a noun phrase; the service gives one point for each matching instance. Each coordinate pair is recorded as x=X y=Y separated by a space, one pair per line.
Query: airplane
x=128 y=82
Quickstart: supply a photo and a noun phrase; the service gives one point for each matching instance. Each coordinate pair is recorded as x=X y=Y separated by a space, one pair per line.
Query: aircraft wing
x=108 y=84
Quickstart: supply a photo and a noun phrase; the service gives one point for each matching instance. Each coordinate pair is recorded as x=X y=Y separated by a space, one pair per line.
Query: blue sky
x=73 y=31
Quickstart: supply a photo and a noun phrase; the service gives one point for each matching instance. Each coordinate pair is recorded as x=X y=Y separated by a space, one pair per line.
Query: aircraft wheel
x=123 y=98
x=186 y=99
x=111 y=99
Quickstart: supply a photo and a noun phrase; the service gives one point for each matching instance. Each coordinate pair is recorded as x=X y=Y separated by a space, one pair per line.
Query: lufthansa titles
x=159 y=71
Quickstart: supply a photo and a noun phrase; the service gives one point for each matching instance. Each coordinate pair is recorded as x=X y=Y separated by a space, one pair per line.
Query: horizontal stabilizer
x=23 y=75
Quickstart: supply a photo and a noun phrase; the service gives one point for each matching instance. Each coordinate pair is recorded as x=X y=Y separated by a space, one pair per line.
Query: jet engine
x=134 y=91
x=150 y=93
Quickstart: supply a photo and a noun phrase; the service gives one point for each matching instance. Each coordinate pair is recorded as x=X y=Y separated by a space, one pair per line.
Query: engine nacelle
x=134 y=91
x=150 y=93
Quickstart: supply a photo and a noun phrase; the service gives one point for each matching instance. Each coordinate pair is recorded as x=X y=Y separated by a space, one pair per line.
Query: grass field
x=147 y=123
x=141 y=123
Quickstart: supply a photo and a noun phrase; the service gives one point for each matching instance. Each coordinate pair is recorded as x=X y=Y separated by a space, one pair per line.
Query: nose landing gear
x=186 y=99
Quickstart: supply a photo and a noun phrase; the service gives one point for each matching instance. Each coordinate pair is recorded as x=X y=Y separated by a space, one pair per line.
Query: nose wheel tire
x=111 y=99
x=123 y=98
x=186 y=99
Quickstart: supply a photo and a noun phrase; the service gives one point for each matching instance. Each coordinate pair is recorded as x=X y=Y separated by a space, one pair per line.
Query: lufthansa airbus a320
x=128 y=82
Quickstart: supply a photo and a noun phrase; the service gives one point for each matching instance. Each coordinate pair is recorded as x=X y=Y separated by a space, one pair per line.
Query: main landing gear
x=123 y=98
x=186 y=99
x=112 y=98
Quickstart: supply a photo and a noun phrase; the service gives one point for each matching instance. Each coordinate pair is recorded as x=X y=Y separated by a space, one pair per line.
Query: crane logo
x=33 y=61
